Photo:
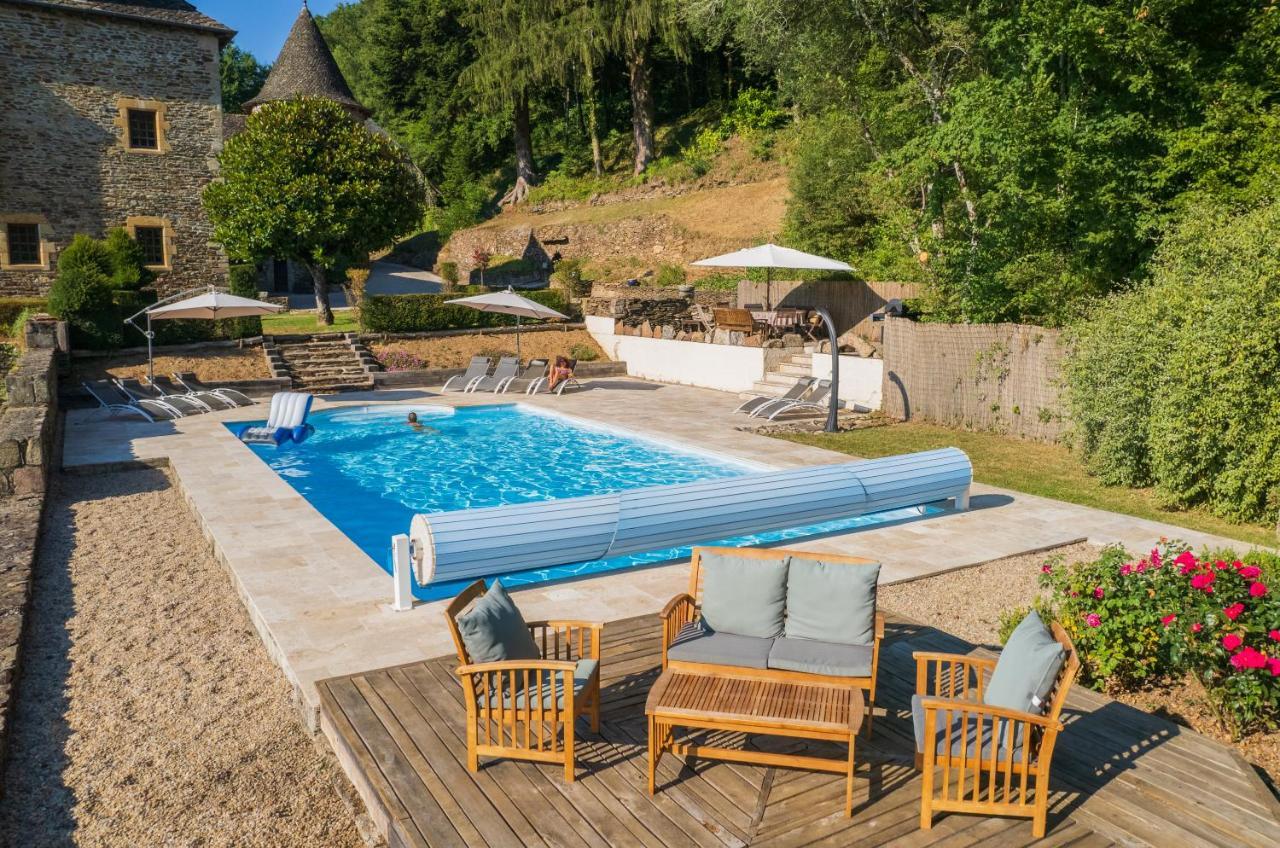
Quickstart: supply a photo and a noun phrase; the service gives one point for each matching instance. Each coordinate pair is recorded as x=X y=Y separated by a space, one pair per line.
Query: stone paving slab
x=321 y=604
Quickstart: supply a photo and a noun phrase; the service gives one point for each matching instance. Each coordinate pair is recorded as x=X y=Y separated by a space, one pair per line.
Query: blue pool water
x=368 y=472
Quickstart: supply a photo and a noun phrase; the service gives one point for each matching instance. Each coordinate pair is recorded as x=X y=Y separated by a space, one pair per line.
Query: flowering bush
x=399 y=359
x=1215 y=616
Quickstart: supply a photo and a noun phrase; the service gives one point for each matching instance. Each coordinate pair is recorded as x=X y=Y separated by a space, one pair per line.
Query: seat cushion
x=1027 y=668
x=815 y=657
x=969 y=740
x=552 y=687
x=831 y=601
x=695 y=643
x=493 y=630
x=742 y=595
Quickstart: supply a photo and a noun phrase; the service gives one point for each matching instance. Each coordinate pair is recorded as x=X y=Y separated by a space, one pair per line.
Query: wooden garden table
x=744 y=704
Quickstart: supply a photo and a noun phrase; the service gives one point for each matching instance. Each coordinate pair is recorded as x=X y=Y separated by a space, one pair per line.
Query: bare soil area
x=968 y=604
x=456 y=351
x=214 y=364
x=148 y=712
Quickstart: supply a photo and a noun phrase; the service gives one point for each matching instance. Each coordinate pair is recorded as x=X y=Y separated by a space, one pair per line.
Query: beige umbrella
x=509 y=303
x=770 y=256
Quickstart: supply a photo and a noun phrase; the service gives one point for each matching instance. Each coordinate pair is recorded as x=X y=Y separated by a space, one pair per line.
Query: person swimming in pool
x=418 y=426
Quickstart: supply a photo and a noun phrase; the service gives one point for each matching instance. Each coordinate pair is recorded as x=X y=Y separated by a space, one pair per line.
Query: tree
x=242 y=77
x=634 y=27
x=81 y=294
x=305 y=182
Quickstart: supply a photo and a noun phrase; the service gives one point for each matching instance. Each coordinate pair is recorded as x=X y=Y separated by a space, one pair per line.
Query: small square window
x=143 y=134
x=151 y=240
x=24 y=244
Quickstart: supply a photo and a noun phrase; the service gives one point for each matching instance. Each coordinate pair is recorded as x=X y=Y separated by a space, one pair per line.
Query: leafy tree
x=305 y=182
x=128 y=271
x=242 y=77
x=81 y=293
x=635 y=27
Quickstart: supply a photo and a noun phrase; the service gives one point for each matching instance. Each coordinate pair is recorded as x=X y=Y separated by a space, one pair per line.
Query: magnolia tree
x=305 y=182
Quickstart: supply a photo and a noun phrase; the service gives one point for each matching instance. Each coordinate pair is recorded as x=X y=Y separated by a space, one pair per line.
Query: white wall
x=860 y=379
x=726 y=367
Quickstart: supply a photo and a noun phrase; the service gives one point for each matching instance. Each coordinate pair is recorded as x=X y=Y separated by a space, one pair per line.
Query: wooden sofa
x=682 y=626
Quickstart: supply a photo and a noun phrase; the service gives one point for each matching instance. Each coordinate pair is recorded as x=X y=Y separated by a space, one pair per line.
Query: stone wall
x=62 y=158
x=999 y=377
x=634 y=305
x=27 y=444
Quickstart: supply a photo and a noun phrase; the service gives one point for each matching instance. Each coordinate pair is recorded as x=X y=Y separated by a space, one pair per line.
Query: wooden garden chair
x=1007 y=778
x=525 y=709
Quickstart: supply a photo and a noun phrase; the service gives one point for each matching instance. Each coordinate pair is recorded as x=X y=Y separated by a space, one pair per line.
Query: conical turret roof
x=306 y=68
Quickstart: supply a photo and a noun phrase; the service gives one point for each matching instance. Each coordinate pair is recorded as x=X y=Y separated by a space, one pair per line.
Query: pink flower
x=1142 y=566
x=1203 y=581
x=1220 y=565
x=1233 y=612
x=1273 y=666
x=1169 y=619
x=1250 y=572
x=1249 y=658
x=1046 y=568
x=1187 y=560
x=1155 y=558
x=1257 y=590
x=1126 y=570
x=1231 y=641
x=1097 y=592
x=1092 y=619
x=1197 y=627
x=1274 y=635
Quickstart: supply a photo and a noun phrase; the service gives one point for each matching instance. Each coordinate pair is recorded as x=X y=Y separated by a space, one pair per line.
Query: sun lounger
x=532 y=373
x=189 y=381
x=110 y=397
x=508 y=367
x=815 y=401
x=135 y=391
x=210 y=400
x=286 y=421
x=476 y=369
x=797 y=391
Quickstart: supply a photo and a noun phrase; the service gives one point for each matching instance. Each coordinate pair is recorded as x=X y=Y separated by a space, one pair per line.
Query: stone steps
x=331 y=363
x=783 y=376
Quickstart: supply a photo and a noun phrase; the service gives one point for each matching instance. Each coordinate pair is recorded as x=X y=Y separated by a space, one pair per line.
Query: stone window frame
x=131 y=225
x=46 y=241
x=123 y=105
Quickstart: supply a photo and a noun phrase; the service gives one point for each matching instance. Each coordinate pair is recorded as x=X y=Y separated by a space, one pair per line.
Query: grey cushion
x=552 y=686
x=742 y=596
x=969 y=739
x=1027 y=667
x=694 y=643
x=821 y=657
x=831 y=601
x=493 y=629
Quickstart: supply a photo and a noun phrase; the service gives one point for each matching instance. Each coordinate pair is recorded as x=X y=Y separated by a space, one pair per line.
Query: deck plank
x=1119 y=776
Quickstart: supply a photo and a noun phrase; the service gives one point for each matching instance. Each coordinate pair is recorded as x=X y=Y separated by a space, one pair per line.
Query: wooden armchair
x=525 y=709
x=1002 y=766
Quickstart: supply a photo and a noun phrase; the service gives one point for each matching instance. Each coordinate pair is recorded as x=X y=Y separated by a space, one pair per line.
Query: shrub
x=449 y=273
x=572 y=273
x=670 y=275
x=81 y=294
x=584 y=353
x=413 y=313
x=12 y=307
x=124 y=255
x=1172 y=384
x=700 y=154
x=356 y=278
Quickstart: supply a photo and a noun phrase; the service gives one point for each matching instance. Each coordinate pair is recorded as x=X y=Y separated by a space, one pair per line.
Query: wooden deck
x=1120 y=776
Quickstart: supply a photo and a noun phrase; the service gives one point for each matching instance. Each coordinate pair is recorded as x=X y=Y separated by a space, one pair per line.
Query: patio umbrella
x=770 y=256
x=509 y=303
x=210 y=304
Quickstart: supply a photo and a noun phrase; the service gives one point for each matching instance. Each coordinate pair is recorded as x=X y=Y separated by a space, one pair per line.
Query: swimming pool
x=368 y=472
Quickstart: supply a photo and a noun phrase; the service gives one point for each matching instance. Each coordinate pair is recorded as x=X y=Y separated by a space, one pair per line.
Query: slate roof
x=306 y=68
x=173 y=12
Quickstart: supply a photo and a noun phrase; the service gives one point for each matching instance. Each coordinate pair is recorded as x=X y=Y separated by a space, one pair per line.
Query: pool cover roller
x=483 y=542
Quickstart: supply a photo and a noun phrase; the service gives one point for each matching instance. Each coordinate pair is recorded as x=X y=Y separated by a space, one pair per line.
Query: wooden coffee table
x=746 y=705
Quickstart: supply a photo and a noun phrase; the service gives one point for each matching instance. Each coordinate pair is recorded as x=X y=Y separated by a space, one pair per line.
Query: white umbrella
x=509 y=303
x=770 y=256
x=211 y=304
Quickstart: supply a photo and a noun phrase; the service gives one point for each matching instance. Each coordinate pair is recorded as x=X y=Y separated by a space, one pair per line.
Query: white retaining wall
x=861 y=379
x=726 y=367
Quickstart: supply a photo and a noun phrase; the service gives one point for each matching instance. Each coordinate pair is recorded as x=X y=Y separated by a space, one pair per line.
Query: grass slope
x=304 y=321
x=1051 y=471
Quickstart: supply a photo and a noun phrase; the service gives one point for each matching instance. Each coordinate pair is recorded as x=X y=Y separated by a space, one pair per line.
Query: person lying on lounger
x=561 y=370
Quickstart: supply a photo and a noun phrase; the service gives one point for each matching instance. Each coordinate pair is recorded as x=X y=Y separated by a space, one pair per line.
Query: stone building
x=110 y=116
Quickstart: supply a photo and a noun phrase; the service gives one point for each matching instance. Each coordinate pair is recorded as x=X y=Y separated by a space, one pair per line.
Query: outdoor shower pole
x=832 y=425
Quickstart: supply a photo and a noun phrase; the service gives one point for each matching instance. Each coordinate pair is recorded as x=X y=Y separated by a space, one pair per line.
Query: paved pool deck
x=322 y=606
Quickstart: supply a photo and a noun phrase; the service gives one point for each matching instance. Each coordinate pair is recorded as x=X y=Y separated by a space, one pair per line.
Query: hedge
x=12 y=307
x=418 y=313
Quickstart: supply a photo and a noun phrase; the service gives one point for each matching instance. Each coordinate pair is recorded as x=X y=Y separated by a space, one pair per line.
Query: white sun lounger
x=189 y=381
x=476 y=369
x=137 y=391
x=508 y=367
x=814 y=401
x=532 y=373
x=796 y=392
x=210 y=400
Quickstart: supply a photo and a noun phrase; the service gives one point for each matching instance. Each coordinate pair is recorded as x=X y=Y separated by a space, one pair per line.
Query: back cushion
x=1027 y=668
x=832 y=601
x=743 y=596
x=493 y=629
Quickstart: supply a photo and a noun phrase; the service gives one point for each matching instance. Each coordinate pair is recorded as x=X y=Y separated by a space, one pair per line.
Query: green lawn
x=304 y=321
x=1051 y=471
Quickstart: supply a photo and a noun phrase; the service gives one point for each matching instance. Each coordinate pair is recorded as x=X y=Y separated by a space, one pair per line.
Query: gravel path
x=148 y=712
x=968 y=602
